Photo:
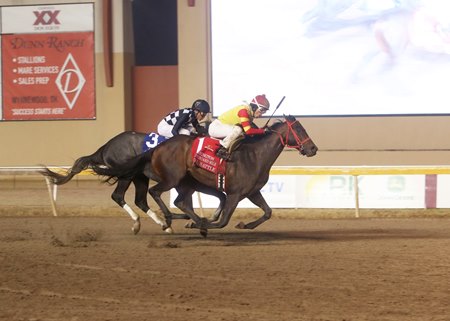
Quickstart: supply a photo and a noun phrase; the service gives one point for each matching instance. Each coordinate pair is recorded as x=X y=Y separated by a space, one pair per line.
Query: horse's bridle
x=300 y=142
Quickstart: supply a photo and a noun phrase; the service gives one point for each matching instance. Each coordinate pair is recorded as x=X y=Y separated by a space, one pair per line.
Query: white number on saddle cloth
x=151 y=141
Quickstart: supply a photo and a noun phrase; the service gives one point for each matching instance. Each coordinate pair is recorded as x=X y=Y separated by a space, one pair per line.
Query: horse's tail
x=80 y=164
x=127 y=170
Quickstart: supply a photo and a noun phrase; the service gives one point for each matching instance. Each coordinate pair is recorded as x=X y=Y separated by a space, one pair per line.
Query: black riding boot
x=223 y=153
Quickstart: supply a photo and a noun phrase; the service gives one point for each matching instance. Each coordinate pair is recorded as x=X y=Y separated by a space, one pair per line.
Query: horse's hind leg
x=184 y=203
x=119 y=197
x=222 y=198
x=156 y=192
x=257 y=199
x=141 y=185
x=187 y=187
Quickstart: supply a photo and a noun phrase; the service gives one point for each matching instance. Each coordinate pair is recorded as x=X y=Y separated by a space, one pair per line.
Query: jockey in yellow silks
x=232 y=123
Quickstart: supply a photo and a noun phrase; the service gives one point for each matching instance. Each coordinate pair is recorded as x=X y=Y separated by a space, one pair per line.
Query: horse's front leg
x=230 y=205
x=257 y=199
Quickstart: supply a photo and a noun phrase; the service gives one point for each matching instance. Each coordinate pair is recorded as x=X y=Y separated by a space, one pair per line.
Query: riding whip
x=275 y=110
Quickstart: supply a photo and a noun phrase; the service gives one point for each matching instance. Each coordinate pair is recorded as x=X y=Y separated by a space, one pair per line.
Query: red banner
x=48 y=76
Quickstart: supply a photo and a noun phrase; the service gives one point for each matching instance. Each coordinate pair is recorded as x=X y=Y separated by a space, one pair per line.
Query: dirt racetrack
x=86 y=265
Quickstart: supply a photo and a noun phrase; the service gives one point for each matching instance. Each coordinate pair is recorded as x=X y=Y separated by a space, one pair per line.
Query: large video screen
x=332 y=57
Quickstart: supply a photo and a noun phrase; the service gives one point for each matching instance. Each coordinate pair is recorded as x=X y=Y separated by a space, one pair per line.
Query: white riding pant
x=165 y=129
x=227 y=133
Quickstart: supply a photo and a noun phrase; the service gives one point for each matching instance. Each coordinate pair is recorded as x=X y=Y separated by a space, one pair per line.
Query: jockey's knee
x=233 y=136
x=237 y=130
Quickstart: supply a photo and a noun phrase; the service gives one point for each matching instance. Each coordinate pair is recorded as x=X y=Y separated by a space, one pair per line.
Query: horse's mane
x=276 y=124
x=252 y=139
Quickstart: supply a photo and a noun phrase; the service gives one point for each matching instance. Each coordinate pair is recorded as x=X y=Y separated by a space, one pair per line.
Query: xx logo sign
x=46 y=17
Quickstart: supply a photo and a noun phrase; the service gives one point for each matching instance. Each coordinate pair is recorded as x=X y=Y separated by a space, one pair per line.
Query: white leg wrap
x=128 y=209
x=154 y=217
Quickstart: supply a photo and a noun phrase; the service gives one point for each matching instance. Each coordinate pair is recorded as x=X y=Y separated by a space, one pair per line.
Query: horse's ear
x=289 y=118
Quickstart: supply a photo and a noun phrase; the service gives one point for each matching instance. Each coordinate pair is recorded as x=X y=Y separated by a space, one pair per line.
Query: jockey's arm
x=247 y=125
x=202 y=131
x=182 y=120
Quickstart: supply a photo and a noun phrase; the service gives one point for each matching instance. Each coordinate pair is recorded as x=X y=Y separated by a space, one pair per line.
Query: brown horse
x=119 y=150
x=246 y=173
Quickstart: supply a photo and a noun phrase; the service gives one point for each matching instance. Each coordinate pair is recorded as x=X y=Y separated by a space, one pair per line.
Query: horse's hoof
x=204 y=232
x=169 y=230
x=241 y=225
x=189 y=225
x=136 y=227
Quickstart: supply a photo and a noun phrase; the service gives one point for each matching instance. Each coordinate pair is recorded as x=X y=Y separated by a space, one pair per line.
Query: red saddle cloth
x=204 y=155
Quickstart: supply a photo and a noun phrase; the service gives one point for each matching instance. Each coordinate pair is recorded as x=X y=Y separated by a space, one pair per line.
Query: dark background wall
x=155 y=75
x=155 y=32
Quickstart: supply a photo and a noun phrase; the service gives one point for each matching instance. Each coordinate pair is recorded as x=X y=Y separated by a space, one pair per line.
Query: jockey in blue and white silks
x=184 y=121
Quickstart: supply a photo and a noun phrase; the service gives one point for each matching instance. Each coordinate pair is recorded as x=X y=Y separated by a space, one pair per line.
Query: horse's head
x=295 y=136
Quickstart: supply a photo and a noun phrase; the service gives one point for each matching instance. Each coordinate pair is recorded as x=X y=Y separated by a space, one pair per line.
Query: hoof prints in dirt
x=83 y=238
x=163 y=244
x=227 y=240
x=16 y=236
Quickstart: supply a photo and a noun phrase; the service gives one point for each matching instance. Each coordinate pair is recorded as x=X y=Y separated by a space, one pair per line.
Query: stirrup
x=235 y=144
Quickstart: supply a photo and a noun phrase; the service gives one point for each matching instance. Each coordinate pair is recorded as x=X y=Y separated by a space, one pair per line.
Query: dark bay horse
x=116 y=152
x=246 y=173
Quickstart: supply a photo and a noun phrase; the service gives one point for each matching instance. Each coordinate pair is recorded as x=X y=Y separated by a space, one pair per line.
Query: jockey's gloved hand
x=266 y=130
x=201 y=131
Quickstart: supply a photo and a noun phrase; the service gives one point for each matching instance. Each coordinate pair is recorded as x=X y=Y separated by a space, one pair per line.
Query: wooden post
x=430 y=190
x=356 y=187
x=202 y=214
x=107 y=42
x=52 y=195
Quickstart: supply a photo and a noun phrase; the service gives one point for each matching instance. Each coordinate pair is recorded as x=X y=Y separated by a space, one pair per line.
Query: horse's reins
x=297 y=139
x=285 y=142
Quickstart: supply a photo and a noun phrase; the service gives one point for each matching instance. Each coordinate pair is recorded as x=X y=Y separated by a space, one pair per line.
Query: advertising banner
x=48 y=62
x=48 y=18
x=334 y=191
x=375 y=191
x=443 y=186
